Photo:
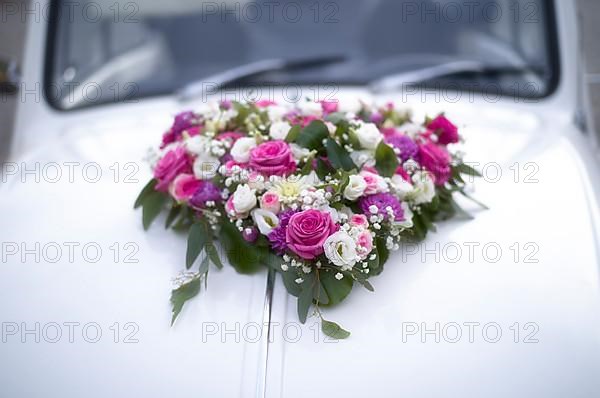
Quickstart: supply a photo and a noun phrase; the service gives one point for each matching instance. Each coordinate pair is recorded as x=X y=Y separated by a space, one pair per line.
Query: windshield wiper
x=422 y=75
x=219 y=80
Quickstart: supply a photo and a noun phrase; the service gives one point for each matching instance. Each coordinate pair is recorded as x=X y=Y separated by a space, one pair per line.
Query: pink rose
x=436 y=160
x=264 y=103
x=329 y=106
x=184 y=186
x=375 y=183
x=272 y=158
x=446 y=132
x=307 y=231
x=359 y=220
x=365 y=241
x=175 y=162
x=270 y=201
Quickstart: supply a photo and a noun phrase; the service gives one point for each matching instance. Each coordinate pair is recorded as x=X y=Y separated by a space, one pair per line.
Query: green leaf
x=386 y=161
x=336 y=117
x=472 y=199
x=323 y=169
x=204 y=266
x=366 y=284
x=338 y=156
x=334 y=330
x=182 y=294
x=312 y=136
x=151 y=207
x=196 y=240
x=463 y=168
x=306 y=296
x=382 y=251
x=460 y=211
x=173 y=213
x=293 y=134
x=213 y=254
x=336 y=290
x=245 y=258
x=289 y=281
x=148 y=189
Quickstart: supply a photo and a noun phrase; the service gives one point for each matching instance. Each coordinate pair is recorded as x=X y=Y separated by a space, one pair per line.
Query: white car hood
x=558 y=295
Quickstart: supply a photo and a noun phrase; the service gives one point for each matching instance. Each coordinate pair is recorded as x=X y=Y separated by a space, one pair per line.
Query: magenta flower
x=184 y=186
x=446 y=132
x=307 y=231
x=436 y=160
x=175 y=162
x=272 y=158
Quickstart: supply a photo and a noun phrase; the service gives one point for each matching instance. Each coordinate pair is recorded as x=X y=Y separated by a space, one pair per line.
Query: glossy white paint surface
x=560 y=293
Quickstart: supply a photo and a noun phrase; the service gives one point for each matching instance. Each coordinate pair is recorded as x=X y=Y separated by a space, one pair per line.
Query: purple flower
x=250 y=234
x=376 y=118
x=183 y=121
x=205 y=193
x=408 y=148
x=277 y=235
x=382 y=201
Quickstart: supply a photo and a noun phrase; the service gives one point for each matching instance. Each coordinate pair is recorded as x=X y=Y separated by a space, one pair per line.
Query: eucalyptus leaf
x=334 y=330
x=244 y=257
x=182 y=294
x=204 y=265
x=386 y=161
x=464 y=168
x=173 y=213
x=312 y=136
x=293 y=134
x=336 y=290
x=196 y=240
x=213 y=254
x=148 y=189
x=151 y=207
x=306 y=296
x=338 y=156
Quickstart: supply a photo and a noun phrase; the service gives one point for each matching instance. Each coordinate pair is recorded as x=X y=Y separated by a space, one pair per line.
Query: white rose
x=244 y=199
x=209 y=110
x=340 y=249
x=279 y=130
x=368 y=135
x=310 y=108
x=363 y=158
x=355 y=188
x=276 y=112
x=410 y=129
x=240 y=151
x=198 y=144
x=349 y=105
x=424 y=188
x=205 y=166
x=299 y=153
x=333 y=213
x=400 y=186
x=265 y=220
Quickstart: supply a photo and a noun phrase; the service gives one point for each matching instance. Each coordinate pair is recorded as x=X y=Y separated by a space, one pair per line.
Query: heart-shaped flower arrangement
x=318 y=194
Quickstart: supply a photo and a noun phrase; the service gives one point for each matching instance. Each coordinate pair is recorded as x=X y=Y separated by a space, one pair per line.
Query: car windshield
x=108 y=51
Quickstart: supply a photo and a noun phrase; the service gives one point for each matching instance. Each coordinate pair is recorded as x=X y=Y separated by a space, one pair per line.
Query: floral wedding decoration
x=319 y=191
